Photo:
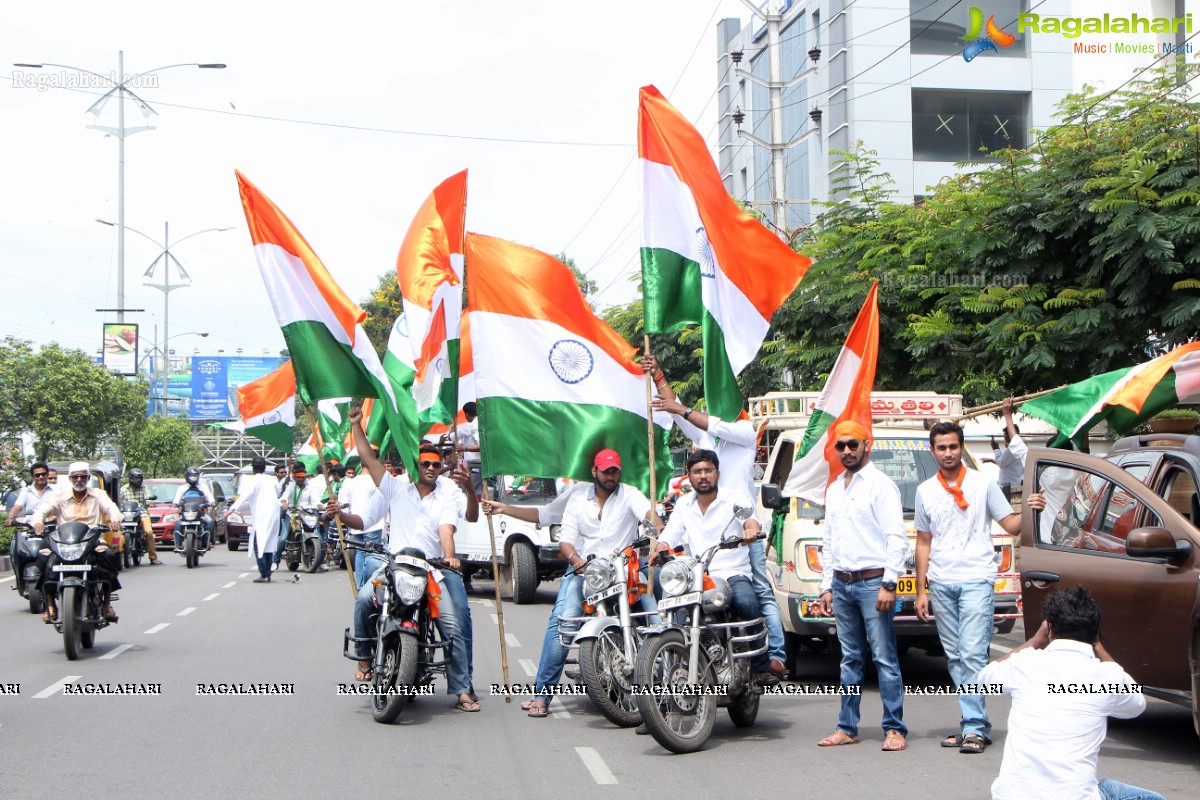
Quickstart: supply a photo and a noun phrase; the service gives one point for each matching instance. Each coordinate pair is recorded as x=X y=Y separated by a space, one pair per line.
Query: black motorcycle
x=131 y=531
x=406 y=645
x=311 y=551
x=28 y=575
x=190 y=529
x=75 y=550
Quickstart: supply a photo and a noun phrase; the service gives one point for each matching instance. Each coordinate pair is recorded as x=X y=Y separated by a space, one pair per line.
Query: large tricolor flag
x=330 y=351
x=846 y=396
x=704 y=260
x=267 y=407
x=430 y=271
x=556 y=384
x=466 y=378
x=1125 y=398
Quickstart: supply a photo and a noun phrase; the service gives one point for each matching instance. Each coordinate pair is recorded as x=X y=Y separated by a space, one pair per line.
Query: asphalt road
x=180 y=628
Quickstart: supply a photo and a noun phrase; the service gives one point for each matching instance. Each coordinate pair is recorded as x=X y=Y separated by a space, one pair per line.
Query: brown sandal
x=837 y=739
x=894 y=742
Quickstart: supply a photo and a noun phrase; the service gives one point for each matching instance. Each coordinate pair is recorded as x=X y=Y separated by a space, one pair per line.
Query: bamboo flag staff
x=653 y=476
x=312 y=419
x=992 y=408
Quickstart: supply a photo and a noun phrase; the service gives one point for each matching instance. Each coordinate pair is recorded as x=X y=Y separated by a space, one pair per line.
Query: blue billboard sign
x=210 y=388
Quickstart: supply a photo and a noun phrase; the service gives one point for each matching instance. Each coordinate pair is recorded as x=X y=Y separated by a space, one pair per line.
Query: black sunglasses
x=851 y=445
x=425 y=464
x=41 y=474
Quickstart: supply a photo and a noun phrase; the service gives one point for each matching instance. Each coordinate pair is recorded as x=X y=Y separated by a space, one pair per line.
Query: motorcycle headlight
x=130 y=516
x=599 y=574
x=409 y=587
x=169 y=518
x=675 y=577
x=70 y=552
x=191 y=516
x=555 y=532
x=310 y=520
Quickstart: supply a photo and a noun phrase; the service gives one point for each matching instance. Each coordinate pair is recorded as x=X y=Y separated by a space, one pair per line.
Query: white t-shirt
x=1054 y=737
x=697 y=531
x=962 y=547
x=415 y=520
x=468 y=436
x=597 y=531
x=1011 y=461
x=364 y=500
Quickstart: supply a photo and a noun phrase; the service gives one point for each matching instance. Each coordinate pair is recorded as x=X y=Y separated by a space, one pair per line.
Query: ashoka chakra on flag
x=571 y=360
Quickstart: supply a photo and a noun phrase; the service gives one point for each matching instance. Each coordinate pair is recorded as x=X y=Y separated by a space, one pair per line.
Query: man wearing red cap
x=596 y=521
x=954 y=514
x=862 y=555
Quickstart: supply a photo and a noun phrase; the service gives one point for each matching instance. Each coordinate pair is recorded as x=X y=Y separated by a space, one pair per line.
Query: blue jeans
x=859 y=624
x=262 y=559
x=767 y=602
x=457 y=590
x=963 y=613
x=458 y=672
x=744 y=602
x=205 y=533
x=366 y=610
x=568 y=604
x=1113 y=790
x=284 y=527
x=366 y=563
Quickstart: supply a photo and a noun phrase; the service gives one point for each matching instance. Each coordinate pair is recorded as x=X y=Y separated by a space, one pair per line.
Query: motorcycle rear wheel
x=398 y=671
x=189 y=550
x=681 y=723
x=71 y=608
x=744 y=710
x=600 y=663
x=310 y=554
x=137 y=555
x=37 y=603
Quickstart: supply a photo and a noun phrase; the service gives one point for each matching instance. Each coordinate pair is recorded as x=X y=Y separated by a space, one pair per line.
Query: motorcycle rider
x=701 y=520
x=31 y=496
x=424 y=518
x=190 y=490
x=93 y=507
x=136 y=491
x=300 y=492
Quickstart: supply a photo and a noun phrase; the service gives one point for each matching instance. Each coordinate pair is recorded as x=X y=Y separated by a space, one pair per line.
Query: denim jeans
x=366 y=610
x=767 y=602
x=458 y=672
x=457 y=590
x=745 y=605
x=205 y=533
x=859 y=624
x=366 y=563
x=284 y=527
x=568 y=604
x=1114 y=790
x=963 y=613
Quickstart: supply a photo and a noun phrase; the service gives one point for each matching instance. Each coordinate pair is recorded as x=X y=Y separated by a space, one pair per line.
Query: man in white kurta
x=257 y=492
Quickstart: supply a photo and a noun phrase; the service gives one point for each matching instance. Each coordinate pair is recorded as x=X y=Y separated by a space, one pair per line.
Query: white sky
x=518 y=69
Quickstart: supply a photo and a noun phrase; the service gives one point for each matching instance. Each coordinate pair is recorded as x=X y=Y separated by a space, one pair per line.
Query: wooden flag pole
x=992 y=408
x=496 y=586
x=650 y=442
x=312 y=419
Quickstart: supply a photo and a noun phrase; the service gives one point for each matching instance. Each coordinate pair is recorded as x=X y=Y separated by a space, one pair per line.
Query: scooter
x=28 y=576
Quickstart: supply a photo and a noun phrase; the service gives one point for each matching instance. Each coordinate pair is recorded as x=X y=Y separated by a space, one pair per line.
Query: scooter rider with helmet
x=137 y=492
x=193 y=489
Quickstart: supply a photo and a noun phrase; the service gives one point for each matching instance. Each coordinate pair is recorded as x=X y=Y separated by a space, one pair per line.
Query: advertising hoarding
x=121 y=347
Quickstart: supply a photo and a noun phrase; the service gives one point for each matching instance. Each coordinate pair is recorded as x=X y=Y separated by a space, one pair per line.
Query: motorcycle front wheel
x=310 y=554
x=396 y=673
x=679 y=721
x=71 y=607
x=189 y=550
x=37 y=603
x=601 y=667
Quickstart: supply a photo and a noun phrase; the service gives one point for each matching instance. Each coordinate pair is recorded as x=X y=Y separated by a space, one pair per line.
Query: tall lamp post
x=120 y=89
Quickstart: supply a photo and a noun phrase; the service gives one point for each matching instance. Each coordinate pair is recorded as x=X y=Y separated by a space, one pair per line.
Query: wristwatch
x=889 y=586
x=687 y=413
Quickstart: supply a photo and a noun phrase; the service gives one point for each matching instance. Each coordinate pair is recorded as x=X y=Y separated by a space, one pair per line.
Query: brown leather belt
x=860 y=575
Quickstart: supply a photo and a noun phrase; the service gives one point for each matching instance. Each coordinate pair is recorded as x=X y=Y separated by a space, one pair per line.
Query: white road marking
x=595 y=765
x=229 y=585
x=116 y=651
x=244 y=575
x=487 y=603
x=528 y=666
x=56 y=687
x=211 y=596
x=9 y=578
x=495 y=619
x=160 y=626
x=186 y=611
x=558 y=712
x=512 y=640
x=1001 y=648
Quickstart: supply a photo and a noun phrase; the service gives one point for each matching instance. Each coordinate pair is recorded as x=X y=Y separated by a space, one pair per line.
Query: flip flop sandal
x=953 y=740
x=467 y=705
x=539 y=709
x=364 y=675
x=973 y=744
x=837 y=739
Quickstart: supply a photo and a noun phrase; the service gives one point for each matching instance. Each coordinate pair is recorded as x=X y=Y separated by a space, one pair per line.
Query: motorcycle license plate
x=71 y=568
x=604 y=594
x=908 y=586
x=681 y=600
x=412 y=561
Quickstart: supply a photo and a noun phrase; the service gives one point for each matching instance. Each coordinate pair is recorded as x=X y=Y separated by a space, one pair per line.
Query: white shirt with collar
x=308 y=495
x=30 y=498
x=735 y=445
x=416 y=520
x=962 y=547
x=598 y=531
x=364 y=501
x=699 y=530
x=1054 y=737
x=1011 y=461
x=864 y=526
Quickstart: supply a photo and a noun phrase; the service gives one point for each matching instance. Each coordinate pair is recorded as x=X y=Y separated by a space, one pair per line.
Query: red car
x=163 y=513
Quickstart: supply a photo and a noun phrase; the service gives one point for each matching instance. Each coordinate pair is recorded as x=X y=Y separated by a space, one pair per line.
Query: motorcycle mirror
x=771 y=496
x=742 y=512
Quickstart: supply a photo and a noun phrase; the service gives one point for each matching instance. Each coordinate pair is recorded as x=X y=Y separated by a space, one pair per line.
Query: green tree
x=163 y=447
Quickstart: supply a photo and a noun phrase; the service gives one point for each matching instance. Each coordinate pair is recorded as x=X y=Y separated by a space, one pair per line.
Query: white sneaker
x=274 y=567
x=323 y=568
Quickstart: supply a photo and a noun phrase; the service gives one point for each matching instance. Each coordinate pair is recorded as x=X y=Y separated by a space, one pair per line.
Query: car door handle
x=1043 y=577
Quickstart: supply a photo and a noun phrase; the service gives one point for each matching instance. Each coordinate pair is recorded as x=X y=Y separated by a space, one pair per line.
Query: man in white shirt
x=705 y=518
x=1056 y=726
x=596 y=521
x=257 y=492
x=954 y=514
x=1011 y=460
x=423 y=518
x=735 y=443
x=468 y=435
x=31 y=496
x=862 y=555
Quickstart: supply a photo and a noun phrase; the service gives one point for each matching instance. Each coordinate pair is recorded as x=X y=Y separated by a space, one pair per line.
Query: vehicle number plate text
x=72 y=568
x=908 y=585
x=604 y=594
x=681 y=600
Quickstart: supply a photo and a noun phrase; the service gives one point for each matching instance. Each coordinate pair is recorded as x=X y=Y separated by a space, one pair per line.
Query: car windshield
x=222 y=484
x=162 y=488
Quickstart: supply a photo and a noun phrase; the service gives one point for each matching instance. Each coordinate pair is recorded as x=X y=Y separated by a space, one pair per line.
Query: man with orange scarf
x=954 y=514
x=862 y=555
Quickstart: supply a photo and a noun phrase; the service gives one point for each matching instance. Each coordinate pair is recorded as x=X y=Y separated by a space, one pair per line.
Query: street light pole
x=120 y=88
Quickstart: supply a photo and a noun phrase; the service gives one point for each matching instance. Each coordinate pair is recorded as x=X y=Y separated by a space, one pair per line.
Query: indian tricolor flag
x=328 y=439
x=267 y=407
x=466 y=379
x=704 y=260
x=846 y=396
x=331 y=354
x=430 y=271
x=1125 y=398
x=556 y=384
